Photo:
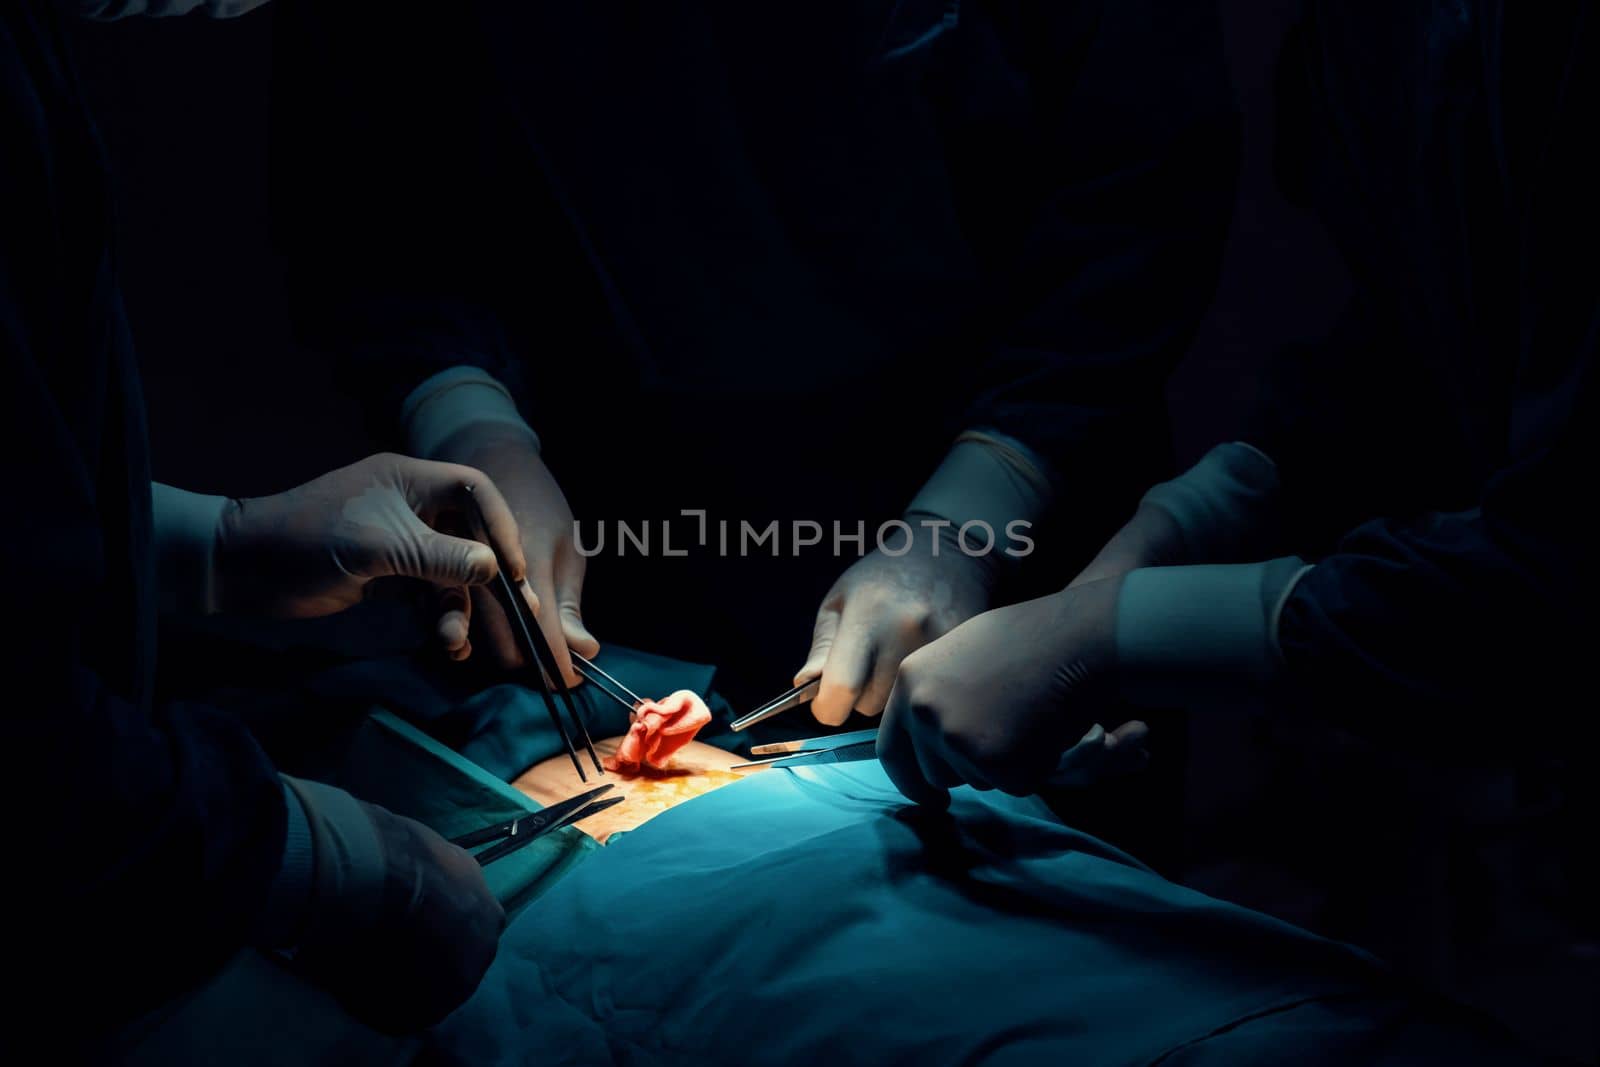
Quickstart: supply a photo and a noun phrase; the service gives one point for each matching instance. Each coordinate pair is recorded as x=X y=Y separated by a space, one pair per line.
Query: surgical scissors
x=517 y=833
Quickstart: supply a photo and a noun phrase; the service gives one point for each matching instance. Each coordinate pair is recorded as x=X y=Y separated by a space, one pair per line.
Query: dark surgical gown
x=1449 y=147
x=765 y=261
x=140 y=839
x=1439 y=453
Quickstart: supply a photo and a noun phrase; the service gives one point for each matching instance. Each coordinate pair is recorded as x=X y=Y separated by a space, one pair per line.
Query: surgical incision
x=660 y=729
x=657 y=766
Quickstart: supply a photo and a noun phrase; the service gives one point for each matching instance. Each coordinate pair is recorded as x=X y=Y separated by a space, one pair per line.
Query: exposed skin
x=660 y=728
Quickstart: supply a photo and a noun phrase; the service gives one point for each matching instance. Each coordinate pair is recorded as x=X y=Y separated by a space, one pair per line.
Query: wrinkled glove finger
x=436 y=488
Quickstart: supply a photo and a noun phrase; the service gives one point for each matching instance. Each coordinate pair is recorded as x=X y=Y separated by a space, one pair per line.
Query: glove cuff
x=1223 y=504
x=1202 y=635
x=347 y=861
x=185 y=527
x=990 y=479
x=452 y=400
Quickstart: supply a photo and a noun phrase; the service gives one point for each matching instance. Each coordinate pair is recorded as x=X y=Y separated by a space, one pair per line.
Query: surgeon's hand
x=555 y=569
x=885 y=607
x=1152 y=538
x=315 y=549
x=1221 y=510
x=401 y=925
x=997 y=701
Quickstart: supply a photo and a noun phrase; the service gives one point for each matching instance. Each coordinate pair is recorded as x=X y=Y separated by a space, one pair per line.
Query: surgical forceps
x=834 y=748
x=800 y=694
x=541 y=659
x=607 y=684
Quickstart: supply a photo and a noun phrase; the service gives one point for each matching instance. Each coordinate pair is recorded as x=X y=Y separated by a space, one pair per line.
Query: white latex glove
x=881 y=610
x=996 y=702
x=1221 y=510
x=314 y=550
x=555 y=568
x=886 y=606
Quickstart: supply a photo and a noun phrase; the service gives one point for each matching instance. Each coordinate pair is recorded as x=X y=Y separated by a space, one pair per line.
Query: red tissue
x=660 y=728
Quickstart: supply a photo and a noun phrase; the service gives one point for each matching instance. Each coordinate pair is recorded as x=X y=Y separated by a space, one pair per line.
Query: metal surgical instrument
x=517 y=833
x=800 y=694
x=835 y=748
x=541 y=660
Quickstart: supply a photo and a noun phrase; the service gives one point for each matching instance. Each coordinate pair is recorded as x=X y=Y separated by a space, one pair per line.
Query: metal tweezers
x=607 y=684
x=1075 y=768
x=524 y=829
x=834 y=748
x=541 y=660
x=800 y=694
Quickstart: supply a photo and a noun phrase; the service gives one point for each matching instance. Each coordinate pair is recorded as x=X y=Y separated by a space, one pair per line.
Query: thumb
x=822 y=635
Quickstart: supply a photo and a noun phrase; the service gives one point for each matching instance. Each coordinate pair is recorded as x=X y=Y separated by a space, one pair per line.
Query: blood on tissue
x=660 y=728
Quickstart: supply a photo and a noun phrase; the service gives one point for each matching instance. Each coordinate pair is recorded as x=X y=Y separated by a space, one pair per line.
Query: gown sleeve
x=1124 y=160
x=142 y=839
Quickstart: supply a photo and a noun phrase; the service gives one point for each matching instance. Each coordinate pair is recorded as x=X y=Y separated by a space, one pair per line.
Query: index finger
x=441 y=487
x=847 y=668
x=823 y=632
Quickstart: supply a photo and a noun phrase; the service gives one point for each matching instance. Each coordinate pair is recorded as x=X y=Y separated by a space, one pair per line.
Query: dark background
x=236 y=407
x=184 y=108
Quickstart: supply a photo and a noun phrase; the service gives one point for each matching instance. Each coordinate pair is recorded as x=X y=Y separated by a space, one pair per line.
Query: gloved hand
x=313 y=550
x=997 y=701
x=398 y=922
x=1218 y=511
x=917 y=588
x=885 y=607
x=555 y=568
